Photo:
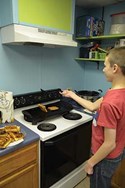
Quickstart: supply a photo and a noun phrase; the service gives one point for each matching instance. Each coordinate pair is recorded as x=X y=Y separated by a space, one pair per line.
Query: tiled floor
x=84 y=184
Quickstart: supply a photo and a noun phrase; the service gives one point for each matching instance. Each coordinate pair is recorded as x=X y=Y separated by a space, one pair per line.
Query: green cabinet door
x=56 y=14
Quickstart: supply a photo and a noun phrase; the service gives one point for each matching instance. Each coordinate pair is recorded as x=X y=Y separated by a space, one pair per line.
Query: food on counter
x=12 y=128
x=53 y=108
x=9 y=134
x=42 y=107
x=16 y=136
x=5 y=141
x=2 y=130
x=3 y=134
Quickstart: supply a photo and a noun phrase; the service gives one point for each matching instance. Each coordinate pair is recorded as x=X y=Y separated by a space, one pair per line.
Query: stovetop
x=62 y=124
x=30 y=100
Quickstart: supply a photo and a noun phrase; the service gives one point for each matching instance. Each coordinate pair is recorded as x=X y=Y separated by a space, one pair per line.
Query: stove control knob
x=50 y=95
x=22 y=100
x=16 y=101
x=39 y=98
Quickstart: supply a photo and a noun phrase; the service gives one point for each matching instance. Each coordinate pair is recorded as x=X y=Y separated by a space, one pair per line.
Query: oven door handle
x=49 y=143
x=53 y=142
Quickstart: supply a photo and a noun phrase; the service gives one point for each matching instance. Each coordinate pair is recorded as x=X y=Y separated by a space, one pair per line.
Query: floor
x=84 y=184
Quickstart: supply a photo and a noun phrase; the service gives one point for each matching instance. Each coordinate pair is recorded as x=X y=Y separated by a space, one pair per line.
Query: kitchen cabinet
x=20 y=168
x=81 y=40
x=56 y=15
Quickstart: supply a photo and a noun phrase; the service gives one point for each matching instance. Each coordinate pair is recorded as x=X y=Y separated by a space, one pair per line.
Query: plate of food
x=11 y=135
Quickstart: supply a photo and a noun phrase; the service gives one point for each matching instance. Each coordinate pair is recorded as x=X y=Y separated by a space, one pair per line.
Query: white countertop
x=61 y=123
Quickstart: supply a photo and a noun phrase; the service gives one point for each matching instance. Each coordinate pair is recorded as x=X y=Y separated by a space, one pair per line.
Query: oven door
x=64 y=153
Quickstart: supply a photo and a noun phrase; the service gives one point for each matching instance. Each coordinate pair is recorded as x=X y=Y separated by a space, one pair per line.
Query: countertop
x=30 y=137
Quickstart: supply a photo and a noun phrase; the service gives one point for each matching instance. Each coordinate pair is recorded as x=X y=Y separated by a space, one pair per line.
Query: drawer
x=18 y=159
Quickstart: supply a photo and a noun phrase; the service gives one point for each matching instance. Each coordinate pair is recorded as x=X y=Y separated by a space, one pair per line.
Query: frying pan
x=90 y=95
x=36 y=115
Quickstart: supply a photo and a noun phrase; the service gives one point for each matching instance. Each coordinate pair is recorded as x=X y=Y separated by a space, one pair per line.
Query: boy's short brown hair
x=117 y=56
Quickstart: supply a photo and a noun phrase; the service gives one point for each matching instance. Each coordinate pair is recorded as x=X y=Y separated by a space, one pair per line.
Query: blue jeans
x=103 y=171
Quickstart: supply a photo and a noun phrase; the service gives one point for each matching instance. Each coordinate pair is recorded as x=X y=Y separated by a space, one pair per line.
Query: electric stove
x=64 y=148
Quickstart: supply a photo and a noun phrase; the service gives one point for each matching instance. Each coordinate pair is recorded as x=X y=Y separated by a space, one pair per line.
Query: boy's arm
x=92 y=106
x=108 y=145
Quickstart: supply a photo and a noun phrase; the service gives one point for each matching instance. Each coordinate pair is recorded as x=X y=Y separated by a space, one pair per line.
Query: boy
x=108 y=129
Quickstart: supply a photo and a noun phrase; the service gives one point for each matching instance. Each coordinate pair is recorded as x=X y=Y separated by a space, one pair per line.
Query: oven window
x=64 y=153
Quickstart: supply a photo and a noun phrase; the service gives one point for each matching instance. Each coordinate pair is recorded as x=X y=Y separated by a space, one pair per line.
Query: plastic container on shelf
x=102 y=55
x=117 y=29
x=118 y=23
x=93 y=55
x=118 y=18
x=120 y=42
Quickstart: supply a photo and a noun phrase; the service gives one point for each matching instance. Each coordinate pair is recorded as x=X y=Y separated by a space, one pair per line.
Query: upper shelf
x=101 y=37
x=88 y=59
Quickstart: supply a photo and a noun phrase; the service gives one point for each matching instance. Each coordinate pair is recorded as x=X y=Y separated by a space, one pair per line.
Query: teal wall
x=29 y=68
x=25 y=68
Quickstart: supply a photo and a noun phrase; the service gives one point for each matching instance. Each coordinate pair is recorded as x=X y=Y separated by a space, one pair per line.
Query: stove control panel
x=32 y=98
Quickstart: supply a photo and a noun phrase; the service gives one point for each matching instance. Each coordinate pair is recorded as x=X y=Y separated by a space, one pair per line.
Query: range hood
x=20 y=34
